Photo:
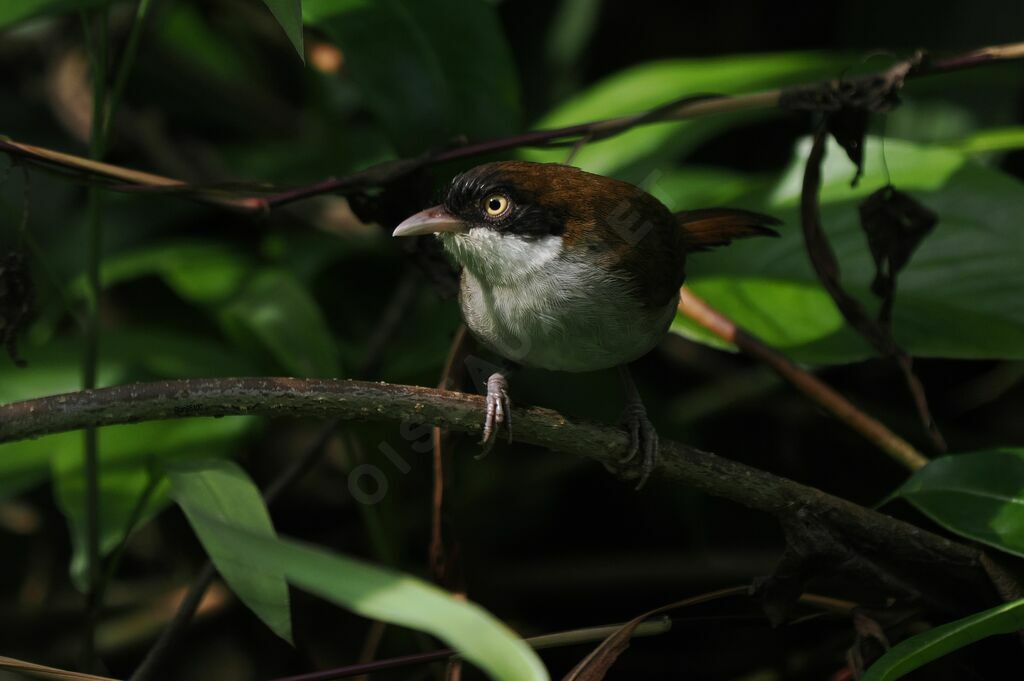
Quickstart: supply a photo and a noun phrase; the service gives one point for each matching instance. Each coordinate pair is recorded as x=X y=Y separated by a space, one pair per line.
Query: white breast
x=530 y=303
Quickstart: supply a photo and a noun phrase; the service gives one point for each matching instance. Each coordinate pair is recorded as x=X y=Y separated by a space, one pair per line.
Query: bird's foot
x=499 y=410
x=643 y=442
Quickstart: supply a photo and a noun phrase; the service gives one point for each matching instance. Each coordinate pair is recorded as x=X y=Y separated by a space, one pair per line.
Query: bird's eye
x=496 y=205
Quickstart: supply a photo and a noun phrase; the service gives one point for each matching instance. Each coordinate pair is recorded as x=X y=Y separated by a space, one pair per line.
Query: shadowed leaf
x=942 y=640
x=978 y=495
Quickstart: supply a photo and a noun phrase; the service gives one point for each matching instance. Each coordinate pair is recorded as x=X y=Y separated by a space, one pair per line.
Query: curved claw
x=643 y=441
x=499 y=410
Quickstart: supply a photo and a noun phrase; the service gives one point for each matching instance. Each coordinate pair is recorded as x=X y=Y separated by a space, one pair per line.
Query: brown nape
x=710 y=227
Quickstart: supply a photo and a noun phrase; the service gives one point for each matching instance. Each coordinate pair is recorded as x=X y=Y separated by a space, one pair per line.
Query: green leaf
x=957 y=297
x=289 y=14
x=185 y=32
x=204 y=272
x=127 y=455
x=476 y=61
x=635 y=154
x=383 y=594
x=217 y=494
x=392 y=63
x=942 y=640
x=276 y=313
x=14 y=11
x=995 y=139
x=978 y=495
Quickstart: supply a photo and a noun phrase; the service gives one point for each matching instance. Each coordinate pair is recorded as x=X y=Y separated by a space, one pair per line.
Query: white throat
x=500 y=259
x=532 y=303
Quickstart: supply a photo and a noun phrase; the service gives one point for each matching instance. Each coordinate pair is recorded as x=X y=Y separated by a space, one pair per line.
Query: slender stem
x=98 y=51
x=560 y=639
x=875 y=431
x=124 y=69
x=105 y=102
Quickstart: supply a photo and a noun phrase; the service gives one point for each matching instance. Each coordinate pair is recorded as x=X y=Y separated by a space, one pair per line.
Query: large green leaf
x=978 y=495
x=427 y=70
x=383 y=594
x=942 y=640
x=289 y=14
x=958 y=297
x=128 y=455
x=635 y=154
x=275 y=312
x=476 y=61
x=215 y=494
x=392 y=63
x=13 y=11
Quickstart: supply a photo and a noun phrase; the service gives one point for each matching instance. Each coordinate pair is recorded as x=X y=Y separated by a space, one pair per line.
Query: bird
x=570 y=271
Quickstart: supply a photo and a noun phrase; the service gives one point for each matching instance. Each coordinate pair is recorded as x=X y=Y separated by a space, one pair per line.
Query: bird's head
x=504 y=220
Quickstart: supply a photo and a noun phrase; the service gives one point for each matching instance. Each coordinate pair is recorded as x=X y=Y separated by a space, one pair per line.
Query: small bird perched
x=570 y=271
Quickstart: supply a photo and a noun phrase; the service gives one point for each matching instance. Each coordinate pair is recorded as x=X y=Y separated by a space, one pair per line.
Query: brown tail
x=710 y=227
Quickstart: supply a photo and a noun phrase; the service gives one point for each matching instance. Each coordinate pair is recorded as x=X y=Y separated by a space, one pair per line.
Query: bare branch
x=358 y=400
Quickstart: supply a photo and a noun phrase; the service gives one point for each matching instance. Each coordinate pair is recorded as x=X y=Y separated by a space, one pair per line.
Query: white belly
x=563 y=316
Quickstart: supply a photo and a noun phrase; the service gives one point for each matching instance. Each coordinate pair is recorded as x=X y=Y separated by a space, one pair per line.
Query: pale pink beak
x=430 y=221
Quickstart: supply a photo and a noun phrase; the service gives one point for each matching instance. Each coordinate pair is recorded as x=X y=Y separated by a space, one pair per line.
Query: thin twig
x=545 y=641
x=810 y=385
x=826 y=267
x=809 y=96
x=443 y=564
x=358 y=400
x=90 y=361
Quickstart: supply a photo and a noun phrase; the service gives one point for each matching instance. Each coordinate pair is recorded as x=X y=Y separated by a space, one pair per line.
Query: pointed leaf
x=383 y=594
x=215 y=494
x=942 y=640
x=289 y=14
x=978 y=495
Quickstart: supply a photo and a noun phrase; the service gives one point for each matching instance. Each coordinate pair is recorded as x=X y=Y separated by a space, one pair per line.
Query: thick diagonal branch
x=358 y=400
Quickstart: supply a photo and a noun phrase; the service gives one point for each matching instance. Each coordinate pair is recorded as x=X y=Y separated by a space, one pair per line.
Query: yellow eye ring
x=496 y=205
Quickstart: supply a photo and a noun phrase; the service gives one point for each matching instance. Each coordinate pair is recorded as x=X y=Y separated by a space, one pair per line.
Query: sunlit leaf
x=201 y=272
x=956 y=298
x=978 y=495
x=289 y=14
x=639 y=152
x=995 y=139
x=383 y=594
x=942 y=640
x=215 y=494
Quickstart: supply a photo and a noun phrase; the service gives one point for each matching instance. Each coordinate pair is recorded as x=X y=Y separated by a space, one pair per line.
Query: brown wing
x=710 y=227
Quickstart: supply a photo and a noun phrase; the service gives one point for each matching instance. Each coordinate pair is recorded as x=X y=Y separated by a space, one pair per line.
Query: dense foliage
x=238 y=97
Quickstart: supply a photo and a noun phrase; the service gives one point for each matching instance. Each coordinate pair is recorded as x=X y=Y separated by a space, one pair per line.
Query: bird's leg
x=643 y=439
x=499 y=410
